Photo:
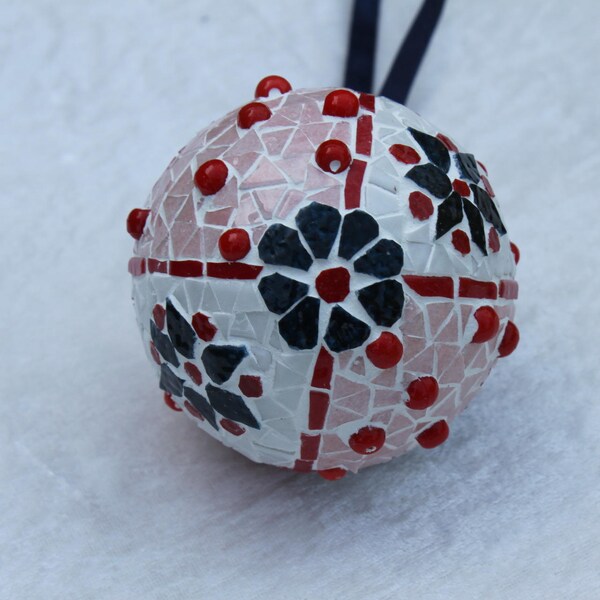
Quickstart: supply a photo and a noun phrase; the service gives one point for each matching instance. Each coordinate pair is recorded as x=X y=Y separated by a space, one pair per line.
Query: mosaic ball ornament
x=323 y=280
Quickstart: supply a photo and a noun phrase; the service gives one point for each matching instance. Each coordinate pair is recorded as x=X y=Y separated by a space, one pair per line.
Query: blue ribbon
x=360 y=63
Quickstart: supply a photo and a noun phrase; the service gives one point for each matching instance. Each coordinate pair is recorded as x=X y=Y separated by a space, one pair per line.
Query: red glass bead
x=233 y=427
x=367 y=440
x=341 y=103
x=136 y=221
x=211 y=176
x=253 y=113
x=493 y=240
x=333 y=474
x=234 y=244
x=333 y=285
x=193 y=372
x=422 y=393
x=461 y=187
x=405 y=154
x=171 y=403
x=154 y=353
x=203 y=327
x=250 y=386
x=434 y=435
x=386 y=351
x=272 y=82
x=158 y=314
x=460 y=241
x=510 y=340
x=420 y=206
x=333 y=156
x=516 y=252
x=488 y=324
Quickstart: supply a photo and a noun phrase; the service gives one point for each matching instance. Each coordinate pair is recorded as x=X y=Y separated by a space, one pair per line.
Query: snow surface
x=105 y=493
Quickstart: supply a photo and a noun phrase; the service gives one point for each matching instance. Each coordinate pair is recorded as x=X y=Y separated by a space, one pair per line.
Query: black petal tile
x=231 y=406
x=169 y=382
x=300 y=327
x=221 y=361
x=383 y=260
x=358 y=229
x=345 y=331
x=201 y=404
x=163 y=345
x=280 y=245
x=383 y=301
x=281 y=293
x=436 y=152
x=488 y=209
x=319 y=225
x=180 y=331
x=475 y=225
x=432 y=179
x=450 y=213
x=467 y=166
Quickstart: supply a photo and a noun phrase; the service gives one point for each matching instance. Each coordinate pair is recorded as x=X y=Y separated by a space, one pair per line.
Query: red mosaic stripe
x=509 y=289
x=364 y=135
x=317 y=411
x=157 y=266
x=309 y=446
x=323 y=370
x=354 y=183
x=233 y=270
x=303 y=466
x=472 y=288
x=186 y=268
x=193 y=268
x=439 y=286
x=428 y=286
x=367 y=101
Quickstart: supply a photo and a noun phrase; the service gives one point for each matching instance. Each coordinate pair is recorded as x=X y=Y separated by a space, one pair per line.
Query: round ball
x=323 y=280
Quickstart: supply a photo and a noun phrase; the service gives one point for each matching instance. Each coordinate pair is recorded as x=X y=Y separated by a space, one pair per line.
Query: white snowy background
x=107 y=494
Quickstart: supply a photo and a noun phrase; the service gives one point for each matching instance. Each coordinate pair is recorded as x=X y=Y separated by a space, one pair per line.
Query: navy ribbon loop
x=360 y=62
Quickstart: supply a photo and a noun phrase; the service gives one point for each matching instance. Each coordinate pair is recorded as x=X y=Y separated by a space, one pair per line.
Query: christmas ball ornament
x=323 y=280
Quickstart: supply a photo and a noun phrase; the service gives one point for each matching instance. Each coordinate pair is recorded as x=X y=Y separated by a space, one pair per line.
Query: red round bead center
x=422 y=393
x=332 y=474
x=434 y=435
x=136 y=221
x=333 y=285
x=488 y=324
x=386 y=351
x=333 y=156
x=341 y=103
x=211 y=176
x=272 y=82
x=367 y=440
x=253 y=113
x=234 y=244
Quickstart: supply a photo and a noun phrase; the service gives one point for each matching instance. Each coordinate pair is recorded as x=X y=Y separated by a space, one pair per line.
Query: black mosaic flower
x=322 y=227
x=180 y=342
x=433 y=177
